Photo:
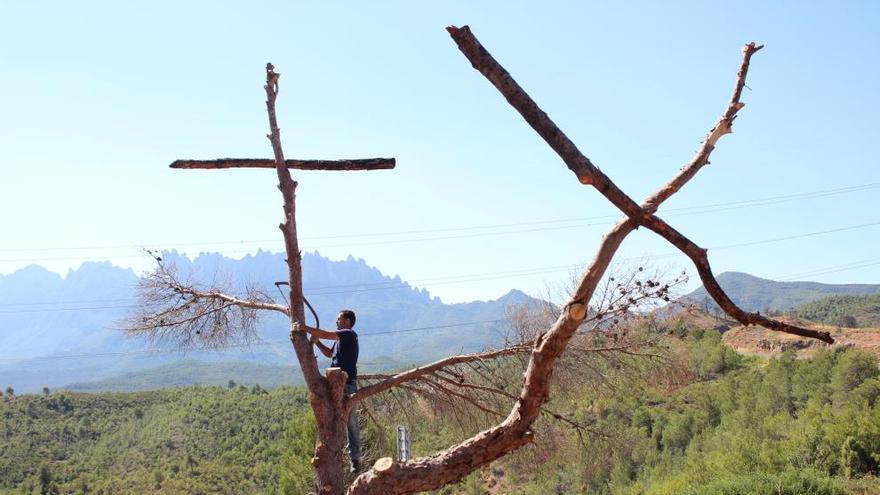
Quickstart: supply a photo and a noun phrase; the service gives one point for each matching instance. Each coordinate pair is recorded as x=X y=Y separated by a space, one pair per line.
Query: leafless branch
x=587 y=173
x=415 y=373
x=174 y=311
x=450 y=392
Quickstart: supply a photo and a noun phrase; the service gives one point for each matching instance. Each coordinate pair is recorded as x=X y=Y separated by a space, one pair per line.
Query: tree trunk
x=332 y=435
x=326 y=395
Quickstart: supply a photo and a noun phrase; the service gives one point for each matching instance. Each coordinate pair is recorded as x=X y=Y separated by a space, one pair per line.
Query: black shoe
x=355 y=466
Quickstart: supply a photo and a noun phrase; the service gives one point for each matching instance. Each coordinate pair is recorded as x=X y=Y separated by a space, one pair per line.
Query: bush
x=709 y=356
x=852 y=369
x=868 y=391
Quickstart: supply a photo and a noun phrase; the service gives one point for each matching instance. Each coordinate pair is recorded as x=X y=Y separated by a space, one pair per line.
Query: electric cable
x=445 y=280
x=688 y=210
x=163 y=351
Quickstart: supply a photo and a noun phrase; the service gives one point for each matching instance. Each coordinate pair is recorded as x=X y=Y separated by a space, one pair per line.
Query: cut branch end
x=577 y=311
x=383 y=464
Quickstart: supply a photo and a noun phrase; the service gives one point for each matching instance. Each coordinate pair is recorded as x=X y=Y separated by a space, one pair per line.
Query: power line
x=797 y=236
x=670 y=212
x=85 y=301
x=312 y=292
x=56 y=310
x=835 y=269
x=452 y=279
x=369 y=243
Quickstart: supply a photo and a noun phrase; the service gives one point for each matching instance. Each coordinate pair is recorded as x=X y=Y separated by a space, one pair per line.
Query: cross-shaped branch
x=287 y=185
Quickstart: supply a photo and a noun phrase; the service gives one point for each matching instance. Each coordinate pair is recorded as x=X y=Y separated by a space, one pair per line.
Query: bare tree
x=180 y=313
x=190 y=315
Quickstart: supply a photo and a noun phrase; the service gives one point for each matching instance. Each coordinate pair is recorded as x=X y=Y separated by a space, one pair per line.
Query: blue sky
x=98 y=98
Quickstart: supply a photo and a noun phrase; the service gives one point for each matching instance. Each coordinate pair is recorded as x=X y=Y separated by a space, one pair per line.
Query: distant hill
x=58 y=330
x=757 y=294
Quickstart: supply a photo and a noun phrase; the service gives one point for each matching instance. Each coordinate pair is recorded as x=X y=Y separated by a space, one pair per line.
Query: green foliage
x=190 y=372
x=792 y=482
x=851 y=370
x=297 y=475
x=742 y=425
x=746 y=426
x=190 y=440
x=709 y=357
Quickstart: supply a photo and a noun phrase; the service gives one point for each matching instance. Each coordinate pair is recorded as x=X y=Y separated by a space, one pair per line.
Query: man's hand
x=295 y=328
x=313 y=339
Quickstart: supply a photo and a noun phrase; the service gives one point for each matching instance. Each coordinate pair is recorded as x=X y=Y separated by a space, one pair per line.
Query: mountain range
x=57 y=330
x=63 y=331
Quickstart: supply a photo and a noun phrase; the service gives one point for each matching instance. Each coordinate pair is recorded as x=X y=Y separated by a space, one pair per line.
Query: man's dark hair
x=348 y=315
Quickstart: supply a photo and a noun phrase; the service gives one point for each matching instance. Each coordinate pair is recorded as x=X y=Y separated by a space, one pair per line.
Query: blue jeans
x=354 y=429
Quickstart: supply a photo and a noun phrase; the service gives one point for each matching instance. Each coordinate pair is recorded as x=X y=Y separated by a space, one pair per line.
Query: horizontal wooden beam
x=340 y=165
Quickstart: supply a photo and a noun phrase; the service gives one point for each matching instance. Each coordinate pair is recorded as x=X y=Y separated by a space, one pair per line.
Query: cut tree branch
x=338 y=165
x=583 y=168
x=722 y=127
x=457 y=461
x=587 y=173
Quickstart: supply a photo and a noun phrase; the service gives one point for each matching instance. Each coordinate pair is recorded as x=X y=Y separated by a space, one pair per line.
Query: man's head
x=345 y=319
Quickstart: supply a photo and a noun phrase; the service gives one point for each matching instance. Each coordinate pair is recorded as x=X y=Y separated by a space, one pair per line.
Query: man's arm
x=326 y=351
x=324 y=334
x=315 y=335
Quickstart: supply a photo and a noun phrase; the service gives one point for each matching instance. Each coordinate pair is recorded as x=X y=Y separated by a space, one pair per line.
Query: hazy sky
x=97 y=99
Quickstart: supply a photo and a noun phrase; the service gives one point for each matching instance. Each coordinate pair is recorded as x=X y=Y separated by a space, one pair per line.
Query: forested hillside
x=732 y=426
x=844 y=311
x=697 y=418
x=188 y=440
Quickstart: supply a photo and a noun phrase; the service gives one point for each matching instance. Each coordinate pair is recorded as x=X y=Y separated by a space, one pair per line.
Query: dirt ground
x=760 y=341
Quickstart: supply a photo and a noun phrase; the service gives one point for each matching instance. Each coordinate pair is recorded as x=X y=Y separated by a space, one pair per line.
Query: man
x=344 y=355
